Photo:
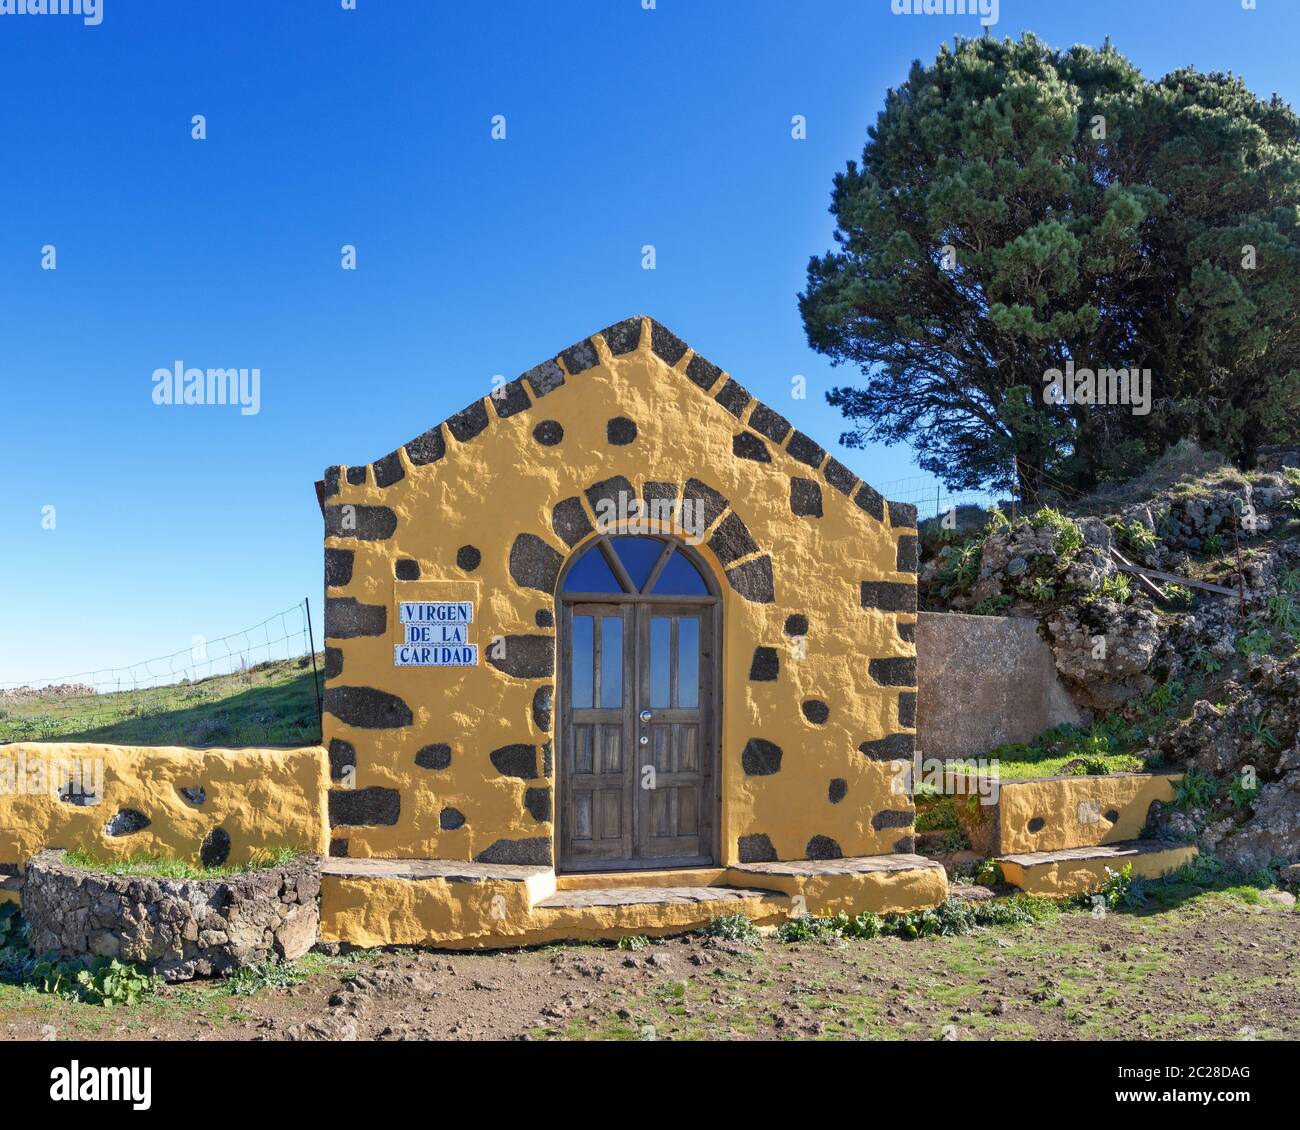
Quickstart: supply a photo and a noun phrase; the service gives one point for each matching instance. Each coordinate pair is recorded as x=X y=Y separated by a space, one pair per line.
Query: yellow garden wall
x=261 y=798
x=453 y=504
x=1078 y=811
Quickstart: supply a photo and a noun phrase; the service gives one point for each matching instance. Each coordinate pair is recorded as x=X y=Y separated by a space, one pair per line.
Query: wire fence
x=931 y=498
x=197 y=695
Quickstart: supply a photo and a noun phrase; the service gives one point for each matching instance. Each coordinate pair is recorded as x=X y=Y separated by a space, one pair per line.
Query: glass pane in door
x=661 y=630
x=583 y=665
x=611 y=662
x=688 y=662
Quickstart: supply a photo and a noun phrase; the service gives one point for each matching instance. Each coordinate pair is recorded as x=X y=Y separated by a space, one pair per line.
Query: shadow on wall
x=984 y=681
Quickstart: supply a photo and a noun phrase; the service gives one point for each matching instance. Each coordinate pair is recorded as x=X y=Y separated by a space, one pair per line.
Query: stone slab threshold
x=1120 y=853
x=649 y=896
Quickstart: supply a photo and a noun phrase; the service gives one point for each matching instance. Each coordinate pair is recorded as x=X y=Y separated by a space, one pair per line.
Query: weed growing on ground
x=733 y=928
x=166 y=867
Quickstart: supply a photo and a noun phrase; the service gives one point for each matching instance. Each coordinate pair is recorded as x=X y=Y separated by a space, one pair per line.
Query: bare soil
x=1220 y=965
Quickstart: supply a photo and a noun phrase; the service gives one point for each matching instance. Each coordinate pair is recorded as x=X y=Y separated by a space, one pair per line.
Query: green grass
x=164 y=867
x=271 y=704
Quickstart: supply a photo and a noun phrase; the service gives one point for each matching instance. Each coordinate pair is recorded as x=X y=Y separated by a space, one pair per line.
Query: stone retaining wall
x=984 y=681
x=179 y=928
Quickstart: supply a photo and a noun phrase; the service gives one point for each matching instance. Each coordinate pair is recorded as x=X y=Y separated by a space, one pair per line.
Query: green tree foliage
x=1017 y=207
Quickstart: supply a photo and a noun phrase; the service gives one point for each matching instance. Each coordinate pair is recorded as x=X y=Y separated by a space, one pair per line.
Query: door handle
x=646 y=716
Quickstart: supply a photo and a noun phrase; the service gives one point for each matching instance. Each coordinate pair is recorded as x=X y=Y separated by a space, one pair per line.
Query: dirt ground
x=1219 y=965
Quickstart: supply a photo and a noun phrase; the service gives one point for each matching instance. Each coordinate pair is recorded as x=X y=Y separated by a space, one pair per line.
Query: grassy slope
x=271 y=704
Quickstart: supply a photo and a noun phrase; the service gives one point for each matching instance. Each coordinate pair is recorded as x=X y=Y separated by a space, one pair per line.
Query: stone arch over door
x=639 y=677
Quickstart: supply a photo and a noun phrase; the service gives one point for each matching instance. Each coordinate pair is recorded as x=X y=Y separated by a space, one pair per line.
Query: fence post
x=315 y=677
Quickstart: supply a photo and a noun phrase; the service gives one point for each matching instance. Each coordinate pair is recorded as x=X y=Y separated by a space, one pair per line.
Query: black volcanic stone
x=427 y=448
x=544 y=378
x=747 y=445
x=771 y=424
x=902 y=514
x=535 y=851
x=516 y=760
x=436 y=756
x=389 y=470
x=907 y=554
x=526 y=657
x=765 y=667
x=468 y=558
x=543 y=699
x=338 y=567
x=538 y=803
x=706 y=499
x=330 y=483
x=905 y=844
x=620 y=431
x=570 y=522
x=760 y=758
x=343 y=757
x=839 y=789
x=407 y=570
x=804 y=449
x=896 y=747
x=889 y=596
x=892 y=818
x=796 y=624
x=622 y=337
x=1037 y=824
x=805 y=498
x=579 y=358
x=755 y=848
x=215 y=849
x=822 y=847
x=731 y=540
x=666 y=344
x=871 y=501
x=609 y=493
x=753 y=580
x=367 y=708
x=370 y=523
x=839 y=476
x=816 y=711
x=510 y=399
x=703 y=373
x=544 y=618
x=548 y=433
x=357 y=476
x=449 y=819
x=126 y=822
x=534 y=564
x=734 y=397
x=338 y=848
x=907 y=708
x=354 y=807
x=347 y=618
x=468 y=422
x=907 y=631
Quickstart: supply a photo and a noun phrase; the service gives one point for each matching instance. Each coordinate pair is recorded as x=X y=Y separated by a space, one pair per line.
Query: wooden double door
x=637 y=756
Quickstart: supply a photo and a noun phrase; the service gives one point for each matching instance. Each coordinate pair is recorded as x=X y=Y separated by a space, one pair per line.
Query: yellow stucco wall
x=502 y=483
x=261 y=798
x=1077 y=811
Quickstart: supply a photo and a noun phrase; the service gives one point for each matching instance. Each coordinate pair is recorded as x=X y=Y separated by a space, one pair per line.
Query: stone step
x=652 y=896
x=883 y=884
x=1076 y=871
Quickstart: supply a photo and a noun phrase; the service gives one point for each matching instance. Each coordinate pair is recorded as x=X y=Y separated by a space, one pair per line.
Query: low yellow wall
x=1076 y=811
x=1079 y=876
x=261 y=798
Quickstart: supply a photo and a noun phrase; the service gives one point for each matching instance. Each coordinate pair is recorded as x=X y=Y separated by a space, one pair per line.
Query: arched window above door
x=635 y=565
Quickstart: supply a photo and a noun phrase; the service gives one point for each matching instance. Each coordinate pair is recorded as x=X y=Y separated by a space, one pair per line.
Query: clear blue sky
x=372 y=127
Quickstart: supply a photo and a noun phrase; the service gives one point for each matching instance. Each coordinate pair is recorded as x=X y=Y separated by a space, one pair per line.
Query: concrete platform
x=1076 y=871
x=456 y=905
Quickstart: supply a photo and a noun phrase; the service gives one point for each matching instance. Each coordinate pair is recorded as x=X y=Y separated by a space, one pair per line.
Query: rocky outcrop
x=1253 y=738
x=178 y=928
